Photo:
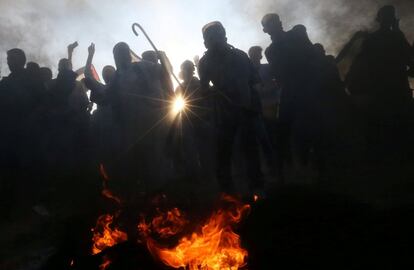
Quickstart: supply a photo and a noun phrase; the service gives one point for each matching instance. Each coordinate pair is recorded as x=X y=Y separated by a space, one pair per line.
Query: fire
x=214 y=245
x=165 y=225
x=105 y=264
x=106 y=192
x=103 y=172
x=104 y=236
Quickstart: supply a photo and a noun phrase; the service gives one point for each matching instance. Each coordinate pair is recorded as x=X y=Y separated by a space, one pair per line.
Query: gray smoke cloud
x=43 y=28
x=332 y=22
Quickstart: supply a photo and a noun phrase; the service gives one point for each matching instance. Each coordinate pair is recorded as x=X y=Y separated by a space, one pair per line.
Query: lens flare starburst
x=178 y=105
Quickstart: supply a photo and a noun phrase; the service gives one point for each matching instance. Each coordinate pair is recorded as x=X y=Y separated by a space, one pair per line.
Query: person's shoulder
x=146 y=66
x=240 y=54
x=235 y=51
x=297 y=31
x=238 y=51
x=204 y=60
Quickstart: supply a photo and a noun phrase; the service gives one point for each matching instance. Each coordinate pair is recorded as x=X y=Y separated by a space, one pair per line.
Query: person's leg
x=225 y=141
x=265 y=143
x=251 y=150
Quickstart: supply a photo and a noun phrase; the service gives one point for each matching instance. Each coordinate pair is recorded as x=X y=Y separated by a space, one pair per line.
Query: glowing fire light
x=179 y=105
x=105 y=264
x=106 y=192
x=165 y=225
x=104 y=236
x=214 y=246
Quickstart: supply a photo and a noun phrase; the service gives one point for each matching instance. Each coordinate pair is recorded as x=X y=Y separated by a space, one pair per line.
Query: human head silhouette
x=32 y=67
x=45 y=74
x=64 y=65
x=319 y=49
x=271 y=24
x=214 y=36
x=386 y=16
x=16 y=59
x=255 y=54
x=150 y=56
x=122 y=55
x=187 y=70
x=108 y=73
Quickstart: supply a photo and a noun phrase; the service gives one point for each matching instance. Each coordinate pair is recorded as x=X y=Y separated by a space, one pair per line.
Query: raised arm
x=345 y=50
x=71 y=48
x=88 y=66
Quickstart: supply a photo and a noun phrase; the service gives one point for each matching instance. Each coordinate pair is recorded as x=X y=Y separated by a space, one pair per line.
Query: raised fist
x=91 y=49
x=72 y=46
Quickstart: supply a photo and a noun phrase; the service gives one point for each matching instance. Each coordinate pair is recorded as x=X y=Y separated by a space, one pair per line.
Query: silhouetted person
x=233 y=77
x=18 y=101
x=265 y=99
x=378 y=82
x=380 y=70
x=67 y=93
x=290 y=56
x=69 y=117
x=165 y=68
x=46 y=74
x=333 y=133
x=193 y=127
x=135 y=96
x=102 y=123
x=91 y=81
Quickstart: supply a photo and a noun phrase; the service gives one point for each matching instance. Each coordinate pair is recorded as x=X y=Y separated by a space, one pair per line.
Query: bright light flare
x=179 y=105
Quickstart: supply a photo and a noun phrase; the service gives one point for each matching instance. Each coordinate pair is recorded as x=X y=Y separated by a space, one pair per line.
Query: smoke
x=332 y=22
x=43 y=28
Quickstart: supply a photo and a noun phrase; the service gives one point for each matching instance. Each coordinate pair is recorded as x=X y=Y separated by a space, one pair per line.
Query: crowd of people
x=238 y=115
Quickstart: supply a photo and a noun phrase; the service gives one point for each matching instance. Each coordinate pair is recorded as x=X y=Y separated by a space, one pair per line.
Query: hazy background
x=44 y=28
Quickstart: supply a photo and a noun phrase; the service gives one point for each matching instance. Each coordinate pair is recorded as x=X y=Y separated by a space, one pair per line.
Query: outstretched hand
x=91 y=49
x=72 y=46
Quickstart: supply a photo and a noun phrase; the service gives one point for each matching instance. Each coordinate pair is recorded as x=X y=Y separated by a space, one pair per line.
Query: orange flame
x=214 y=246
x=103 y=172
x=106 y=192
x=165 y=225
x=105 y=264
x=104 y=236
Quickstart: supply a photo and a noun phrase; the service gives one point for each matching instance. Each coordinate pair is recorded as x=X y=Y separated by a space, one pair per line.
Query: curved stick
x=134 y=25
x=145 y=34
